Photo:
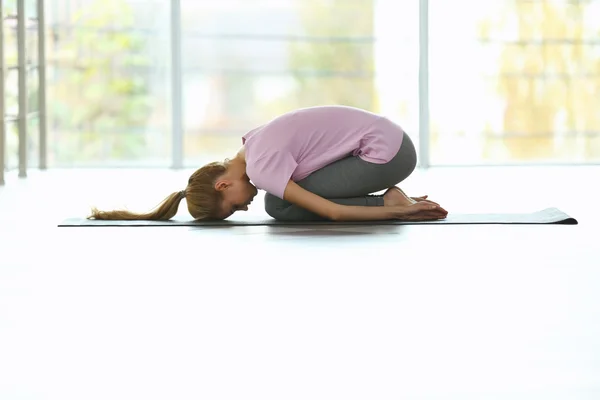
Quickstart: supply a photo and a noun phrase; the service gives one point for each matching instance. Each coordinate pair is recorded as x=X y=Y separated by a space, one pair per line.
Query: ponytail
x=202 y=199
x=164 y=211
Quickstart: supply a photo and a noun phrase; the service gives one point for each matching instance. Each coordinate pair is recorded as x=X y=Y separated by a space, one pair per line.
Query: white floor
x=402 y=312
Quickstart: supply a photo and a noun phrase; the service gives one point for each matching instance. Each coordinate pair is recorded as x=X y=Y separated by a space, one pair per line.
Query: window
x=108 y=83
x=510 y=81
x=514 y=82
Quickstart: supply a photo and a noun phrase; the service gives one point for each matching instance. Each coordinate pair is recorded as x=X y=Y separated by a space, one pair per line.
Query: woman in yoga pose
x=316 y=163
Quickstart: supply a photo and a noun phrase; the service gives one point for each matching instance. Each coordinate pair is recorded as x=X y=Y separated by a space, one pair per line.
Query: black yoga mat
x=547 y=216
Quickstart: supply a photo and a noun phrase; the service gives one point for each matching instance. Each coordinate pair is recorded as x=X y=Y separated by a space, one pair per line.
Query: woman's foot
x=394 y=196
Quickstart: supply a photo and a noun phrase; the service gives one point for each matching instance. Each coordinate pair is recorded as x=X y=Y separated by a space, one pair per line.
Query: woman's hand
x=420 y=211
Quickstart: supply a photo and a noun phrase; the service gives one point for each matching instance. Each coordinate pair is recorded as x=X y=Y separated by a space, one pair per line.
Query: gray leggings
x=349 y=181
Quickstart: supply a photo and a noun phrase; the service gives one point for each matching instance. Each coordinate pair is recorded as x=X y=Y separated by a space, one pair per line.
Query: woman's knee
x=275 y=207
x=282 y=210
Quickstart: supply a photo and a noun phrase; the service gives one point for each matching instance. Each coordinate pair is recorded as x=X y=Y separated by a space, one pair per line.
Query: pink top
x=295 y=144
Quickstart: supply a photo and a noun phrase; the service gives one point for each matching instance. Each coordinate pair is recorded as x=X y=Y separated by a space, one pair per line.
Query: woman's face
x=236 y=195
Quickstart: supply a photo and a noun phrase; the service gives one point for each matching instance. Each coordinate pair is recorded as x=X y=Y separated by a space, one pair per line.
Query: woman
x=316 y=163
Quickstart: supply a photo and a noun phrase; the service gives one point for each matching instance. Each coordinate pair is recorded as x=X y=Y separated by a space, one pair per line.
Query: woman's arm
x=325 y=208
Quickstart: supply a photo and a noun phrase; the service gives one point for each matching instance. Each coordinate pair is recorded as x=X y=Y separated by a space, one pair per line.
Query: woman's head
x=217 y=190
x=214 y=191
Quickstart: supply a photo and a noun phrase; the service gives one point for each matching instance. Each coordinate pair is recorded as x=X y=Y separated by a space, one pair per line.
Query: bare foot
x=394 y=196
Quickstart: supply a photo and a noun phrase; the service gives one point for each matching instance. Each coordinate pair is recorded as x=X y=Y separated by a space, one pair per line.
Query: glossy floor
x=401 y=312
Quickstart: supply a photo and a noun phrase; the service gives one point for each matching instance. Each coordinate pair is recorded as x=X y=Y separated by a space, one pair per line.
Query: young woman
x=316 y=163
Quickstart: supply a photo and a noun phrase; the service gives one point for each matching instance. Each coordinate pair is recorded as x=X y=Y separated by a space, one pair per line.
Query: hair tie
x=182 y=194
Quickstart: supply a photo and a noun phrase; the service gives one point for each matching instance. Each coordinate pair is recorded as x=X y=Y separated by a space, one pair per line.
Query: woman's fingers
x=425 y=216
x=424 y=206
x=422 y=217
x=429 y=201
x=421 y=206
x=433 y=203
x=421 y=211
x=429 y=205
x=426 y=210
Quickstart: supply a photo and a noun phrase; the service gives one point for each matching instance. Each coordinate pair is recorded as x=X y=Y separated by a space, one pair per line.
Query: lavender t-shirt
x=295 y=144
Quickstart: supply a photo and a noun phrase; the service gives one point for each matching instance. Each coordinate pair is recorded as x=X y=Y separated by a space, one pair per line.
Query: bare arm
x=325 y=208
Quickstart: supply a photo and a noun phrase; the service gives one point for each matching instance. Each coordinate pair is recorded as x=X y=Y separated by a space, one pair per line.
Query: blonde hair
x=203 y=200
